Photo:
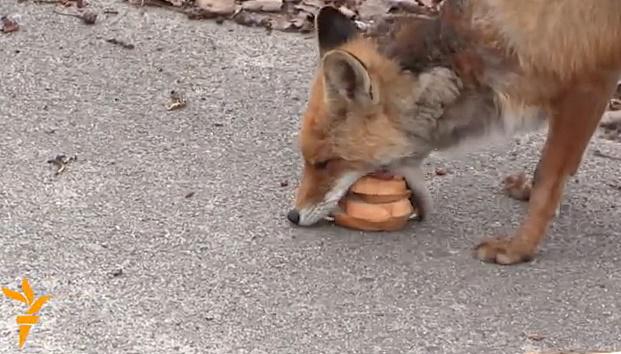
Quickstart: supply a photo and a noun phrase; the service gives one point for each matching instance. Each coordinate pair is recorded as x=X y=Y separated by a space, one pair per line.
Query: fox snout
x=293 y=216
x=318 y=195
x=315 y=202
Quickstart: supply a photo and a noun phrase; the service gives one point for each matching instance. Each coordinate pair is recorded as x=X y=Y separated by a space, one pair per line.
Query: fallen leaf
x=281 y=23
x=347 y=12
x=293 y=15
x=370 y=10
x=9 y=24
x=220 y=7
x=405 y=5
x=303 y=22
x=251 y=19
x=262 y=5
x=177 y=102
x=317 y=4
x=611 y=125
x=535 y=337
x=61 y=162
x=308 y=8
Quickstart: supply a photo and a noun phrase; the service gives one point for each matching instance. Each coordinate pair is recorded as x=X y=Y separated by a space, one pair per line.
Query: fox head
x=355 y=120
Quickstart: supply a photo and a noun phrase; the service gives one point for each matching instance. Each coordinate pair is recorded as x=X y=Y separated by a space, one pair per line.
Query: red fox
x=383 y=102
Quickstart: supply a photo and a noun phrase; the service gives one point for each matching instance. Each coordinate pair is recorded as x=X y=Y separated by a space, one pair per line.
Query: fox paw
x=504 y=251
x=518 y=186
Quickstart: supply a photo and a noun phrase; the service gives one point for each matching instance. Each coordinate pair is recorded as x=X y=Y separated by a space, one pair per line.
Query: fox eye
x=320 y=165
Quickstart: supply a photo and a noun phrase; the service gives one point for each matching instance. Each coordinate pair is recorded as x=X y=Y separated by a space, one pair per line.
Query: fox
x=381 y=103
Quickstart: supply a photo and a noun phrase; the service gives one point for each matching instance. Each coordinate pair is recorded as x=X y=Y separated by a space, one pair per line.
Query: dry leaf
x=535 y=337
x=373 y=9
x=347 y=12
x=430 y=3
x=296 y=15
x=262 y=5
x=251 y=19
x=61 y=162
x=8 y=24
x=311 y=9
x=177 y=102
x=219 y=7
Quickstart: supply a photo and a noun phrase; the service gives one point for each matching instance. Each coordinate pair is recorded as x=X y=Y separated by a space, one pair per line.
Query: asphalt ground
x=168 y=233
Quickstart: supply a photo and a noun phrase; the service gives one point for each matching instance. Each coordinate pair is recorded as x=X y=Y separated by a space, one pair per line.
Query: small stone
x=440 y=171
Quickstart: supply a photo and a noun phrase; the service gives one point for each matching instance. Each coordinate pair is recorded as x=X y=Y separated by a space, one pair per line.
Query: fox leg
x=571 y=128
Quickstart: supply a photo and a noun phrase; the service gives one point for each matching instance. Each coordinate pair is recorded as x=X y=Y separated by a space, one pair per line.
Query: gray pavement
x=133 y=265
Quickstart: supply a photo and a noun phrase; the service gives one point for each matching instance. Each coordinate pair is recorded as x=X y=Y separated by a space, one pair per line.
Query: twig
x=120 y=43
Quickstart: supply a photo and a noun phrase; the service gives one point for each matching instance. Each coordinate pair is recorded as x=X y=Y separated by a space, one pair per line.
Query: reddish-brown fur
x=561 y=57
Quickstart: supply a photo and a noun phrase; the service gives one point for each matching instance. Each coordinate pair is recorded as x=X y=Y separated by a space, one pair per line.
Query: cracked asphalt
x=168 y=233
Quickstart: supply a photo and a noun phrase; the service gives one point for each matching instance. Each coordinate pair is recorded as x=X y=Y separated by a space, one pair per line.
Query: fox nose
x=293 y=216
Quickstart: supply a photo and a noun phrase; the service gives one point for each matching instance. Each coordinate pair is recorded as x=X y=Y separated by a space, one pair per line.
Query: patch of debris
x=74 y=8
x=61 y=162
x=176 y=101
x=292 y=15
x=9 y=23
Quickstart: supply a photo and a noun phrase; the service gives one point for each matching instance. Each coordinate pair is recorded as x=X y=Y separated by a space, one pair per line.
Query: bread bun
x=377 y=212
x=392 y=224
x=375 y=186
x=376 y=203
x=381 y=199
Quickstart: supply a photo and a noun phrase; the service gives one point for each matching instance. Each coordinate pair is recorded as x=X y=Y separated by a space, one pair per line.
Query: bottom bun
x=348 y=221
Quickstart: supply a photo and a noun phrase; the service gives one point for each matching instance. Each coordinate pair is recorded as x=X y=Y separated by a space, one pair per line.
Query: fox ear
x=333 y=29
x=347 y=80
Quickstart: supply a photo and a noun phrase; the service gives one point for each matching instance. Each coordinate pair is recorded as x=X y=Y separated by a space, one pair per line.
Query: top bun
x=381 y=187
